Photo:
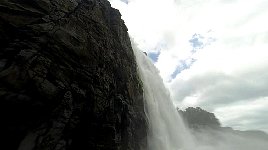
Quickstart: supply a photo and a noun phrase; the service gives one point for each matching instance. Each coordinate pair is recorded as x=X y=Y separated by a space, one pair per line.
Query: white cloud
x=228 y=73
x=245 y=115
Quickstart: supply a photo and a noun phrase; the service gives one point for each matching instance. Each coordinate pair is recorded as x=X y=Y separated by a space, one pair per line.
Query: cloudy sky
x=210 y=53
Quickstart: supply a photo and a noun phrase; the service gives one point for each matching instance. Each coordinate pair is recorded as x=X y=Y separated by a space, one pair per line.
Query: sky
x=210 y=53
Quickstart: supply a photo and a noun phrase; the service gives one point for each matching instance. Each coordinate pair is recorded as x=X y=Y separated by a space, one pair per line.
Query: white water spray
x=166 y=128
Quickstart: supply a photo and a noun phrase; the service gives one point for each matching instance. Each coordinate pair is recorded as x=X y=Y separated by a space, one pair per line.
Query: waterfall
x=166 y=128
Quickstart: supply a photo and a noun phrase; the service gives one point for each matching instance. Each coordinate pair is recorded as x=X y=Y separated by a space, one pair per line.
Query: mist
x=210 y=53
x=211 y=139
x=227 y=77
x=168 y=131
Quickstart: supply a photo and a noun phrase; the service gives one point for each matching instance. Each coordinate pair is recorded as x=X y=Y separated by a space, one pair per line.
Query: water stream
x=166 y=128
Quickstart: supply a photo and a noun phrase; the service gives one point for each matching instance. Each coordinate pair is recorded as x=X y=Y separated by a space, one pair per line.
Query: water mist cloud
x=209 y=139
x=227 y=73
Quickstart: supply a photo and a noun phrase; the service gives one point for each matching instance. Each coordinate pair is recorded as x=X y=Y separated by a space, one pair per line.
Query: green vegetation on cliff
x=199 y=118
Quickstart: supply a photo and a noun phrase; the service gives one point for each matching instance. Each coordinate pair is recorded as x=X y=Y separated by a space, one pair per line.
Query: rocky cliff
x=68 y=78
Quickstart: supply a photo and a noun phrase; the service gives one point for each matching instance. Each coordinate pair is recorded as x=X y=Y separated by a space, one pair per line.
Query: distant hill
x=198 y=118
x=205 y=124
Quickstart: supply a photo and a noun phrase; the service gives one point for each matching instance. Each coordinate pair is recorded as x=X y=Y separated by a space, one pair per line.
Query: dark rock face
x=68 y=78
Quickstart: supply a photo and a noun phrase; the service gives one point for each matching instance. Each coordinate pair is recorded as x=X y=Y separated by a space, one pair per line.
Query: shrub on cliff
x=199 y=118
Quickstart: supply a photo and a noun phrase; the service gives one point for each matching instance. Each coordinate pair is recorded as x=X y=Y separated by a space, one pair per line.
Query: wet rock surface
x=68 y=77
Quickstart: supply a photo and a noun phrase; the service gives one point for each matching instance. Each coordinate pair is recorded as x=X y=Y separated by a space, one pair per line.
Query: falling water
x=166 y=128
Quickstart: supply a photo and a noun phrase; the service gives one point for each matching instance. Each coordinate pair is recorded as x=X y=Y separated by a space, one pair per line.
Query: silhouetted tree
x=199 y=118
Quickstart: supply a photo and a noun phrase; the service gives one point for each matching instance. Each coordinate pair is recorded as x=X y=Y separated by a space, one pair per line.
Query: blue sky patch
x=196 y=41
x=154 y=55
x=125 y=1
x=182 y=66
x=176 y=72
